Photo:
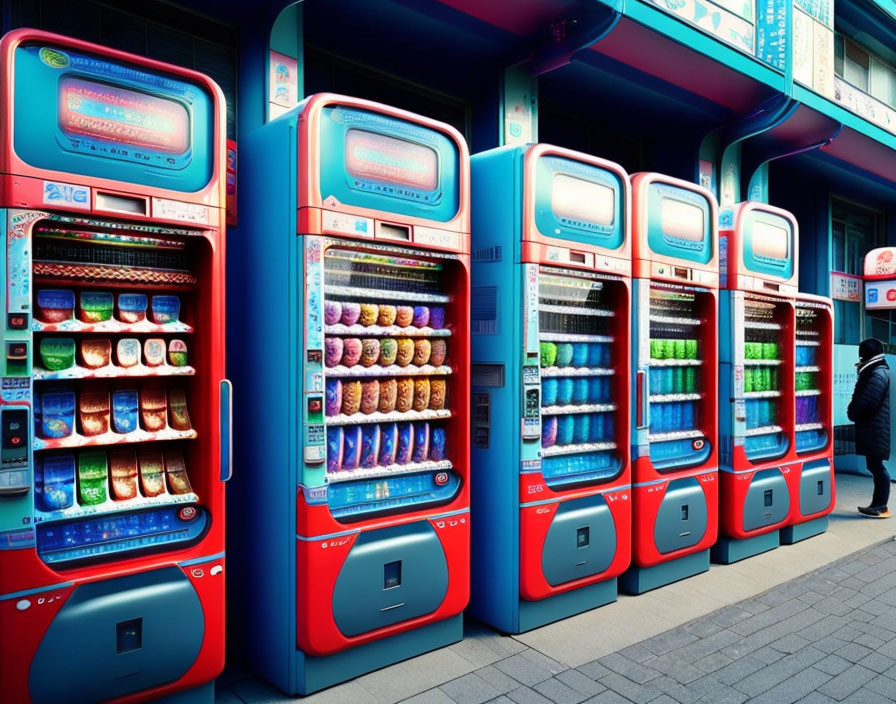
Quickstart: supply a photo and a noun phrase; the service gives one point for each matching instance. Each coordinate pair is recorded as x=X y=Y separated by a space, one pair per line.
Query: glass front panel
x=118 y=389
x=389 y=323
x=813 y=335
x=676 y=380
x=579 y=321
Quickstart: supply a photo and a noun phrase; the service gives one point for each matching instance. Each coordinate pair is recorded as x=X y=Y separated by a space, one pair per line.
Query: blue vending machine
x=550 y=384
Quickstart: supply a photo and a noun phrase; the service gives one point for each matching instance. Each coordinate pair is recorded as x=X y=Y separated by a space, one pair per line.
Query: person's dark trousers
x=881 y=478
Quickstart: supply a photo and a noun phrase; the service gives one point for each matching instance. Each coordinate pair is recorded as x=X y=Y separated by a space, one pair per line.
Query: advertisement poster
x=846 y=287
x=283 y=86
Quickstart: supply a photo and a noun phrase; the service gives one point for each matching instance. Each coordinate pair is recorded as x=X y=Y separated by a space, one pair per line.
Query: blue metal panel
x=264 y=313
x=496 y=178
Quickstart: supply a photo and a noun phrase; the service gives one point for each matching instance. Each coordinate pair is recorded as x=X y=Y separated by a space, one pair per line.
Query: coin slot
x=129 y=636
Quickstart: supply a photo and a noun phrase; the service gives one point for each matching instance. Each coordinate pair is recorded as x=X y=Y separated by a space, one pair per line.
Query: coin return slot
x=771 y=286
x=128 y=636
x=392 y=575
x=583 y=537
x=768 y=497
x=820 y=488
x=393 y=232
x=577 y=257
x=680 y=273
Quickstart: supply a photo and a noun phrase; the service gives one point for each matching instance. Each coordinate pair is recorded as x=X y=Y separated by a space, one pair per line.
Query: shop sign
x=864 y=105
x=880 y=295
x=846 y=287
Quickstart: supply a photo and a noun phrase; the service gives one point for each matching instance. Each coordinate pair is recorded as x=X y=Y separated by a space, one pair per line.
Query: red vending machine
x=812 y=486
x=675 y=268
x=354 y=290
x=113 y=404
x=759 y=245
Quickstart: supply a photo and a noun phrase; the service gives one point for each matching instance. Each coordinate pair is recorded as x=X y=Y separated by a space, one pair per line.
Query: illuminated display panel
x=115 y=114
x=770 y=241
x=581 y=200
x=377 y=157
x=682 y=220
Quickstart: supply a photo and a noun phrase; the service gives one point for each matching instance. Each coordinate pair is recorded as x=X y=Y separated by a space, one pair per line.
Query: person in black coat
x=869 y=409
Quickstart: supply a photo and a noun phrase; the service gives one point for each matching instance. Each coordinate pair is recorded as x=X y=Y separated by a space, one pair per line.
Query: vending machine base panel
x=203 y=694
x=643 y=579
x=316 y=673
x=728 y=550
x=534 y=614
x=801 y=531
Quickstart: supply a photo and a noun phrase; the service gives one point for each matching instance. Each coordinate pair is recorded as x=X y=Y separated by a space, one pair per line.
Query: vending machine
x=812 y=487
x=675 y=269
x=759 y=276
x=354 y=310
x=550 y=375
x=113 y=406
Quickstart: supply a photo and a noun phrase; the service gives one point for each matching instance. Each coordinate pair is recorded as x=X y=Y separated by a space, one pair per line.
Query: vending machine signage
x=113 y=397
x=551 y=489
x=359 y=224
x=675 y=260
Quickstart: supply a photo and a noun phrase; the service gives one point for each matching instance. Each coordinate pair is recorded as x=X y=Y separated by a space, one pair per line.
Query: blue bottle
x=549 y=389
x=580 y=390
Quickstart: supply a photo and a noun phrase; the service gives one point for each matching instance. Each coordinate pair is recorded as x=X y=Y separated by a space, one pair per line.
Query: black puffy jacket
x=869 y=409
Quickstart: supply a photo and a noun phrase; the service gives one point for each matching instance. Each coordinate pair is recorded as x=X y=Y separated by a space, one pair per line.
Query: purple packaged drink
x=421 y=316
x=388 y=444
x=334 y=397
x=332 y=312
x=421 y=442
x=437 y=317
x=334 y=449
x=351 y=447
x=565 y=429
x=548 y=431
x=370 y=445
x=580 y=390
x=437 y=444
x=333 y=351
x=405 y=443
x=350 y=313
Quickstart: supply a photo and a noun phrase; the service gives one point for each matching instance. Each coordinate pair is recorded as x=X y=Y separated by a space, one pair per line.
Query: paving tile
x=817 y=698
x=713 y=661
x=470 y=689
x=847 y=682
x=634 y=671
x=877 y=662
x=501 y=700
x=833 y=665
x=870 y=641
x=608 y=697
x=637 y=652
x=793 y=689
x=823 y=627
x=593 y=669
x=866 y=696
x=830 y=644
x=558 y=692
x=881 y=685
x=754 y=606
x=482 y=646
x=679 y=692
x=878 y=629
x=772 y=675
x=724 y=695
x=703 y=627
x=670 y=640
x=411 y=677
x=769 y=654
x=848 y=633
x=810 y=597
x=524 y=670
x=790 y=643
x=674 y=666
x=431 y=696
x=524 y=695
x=580 y=683
x=497 y=679
x=730 y=615
x=739 y=669
x=633 y=691
x=854 y=652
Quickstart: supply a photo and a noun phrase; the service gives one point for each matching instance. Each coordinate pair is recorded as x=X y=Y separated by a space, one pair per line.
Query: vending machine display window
x=117 y=376
x=678 y=436
x=389 y=321
x=813 y=330
x=578 y=322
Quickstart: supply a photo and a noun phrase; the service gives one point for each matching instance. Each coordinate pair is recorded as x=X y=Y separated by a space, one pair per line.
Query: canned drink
x=595 y=427
x=669 y=423
x=549 y=392
x=607 y=427
x=678 y=380
x=595 y=389
x=680 y=349
x=690 y=380
x=565 y=430
x=656 y=418
x=763 y=413
x=752 y=414
x=690 y=351
x=582 y=428
x=751 y=351
x=677 y=415
x=607 y=355
x=656 y=381
x=687 y=416
x=773 y=379
x=668 y=380
x=580 y=391
x=668 y=349
x=813 y=416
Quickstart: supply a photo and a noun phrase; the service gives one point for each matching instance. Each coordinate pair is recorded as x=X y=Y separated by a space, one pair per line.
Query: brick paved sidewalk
x=829 y=636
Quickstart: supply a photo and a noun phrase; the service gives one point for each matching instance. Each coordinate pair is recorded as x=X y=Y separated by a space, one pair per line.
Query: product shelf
x=762 y=362
x=575 y=310
x=675 y=362
x=762 y=394
x=669 y=398
x=808 y=392
x=111 y=506
x=114 y=327
x=808 y=343
x=391 y=417
x=390 y=471
x=392 y=370
x=573 y=337
x=582 y=408
x=384 y=294
x=359 y=330
x=77 y=440
x=579 y=448
x=811 y=368
x=675 y=320
x=576 y=371
x=111 y=371
x=764 y=430
x=809 y=426
x=675 y=435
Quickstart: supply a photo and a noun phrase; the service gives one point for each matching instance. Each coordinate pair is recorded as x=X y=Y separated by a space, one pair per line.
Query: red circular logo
x=442 y=478
x=187 y=513
x=891 y=294
x=697 y=444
